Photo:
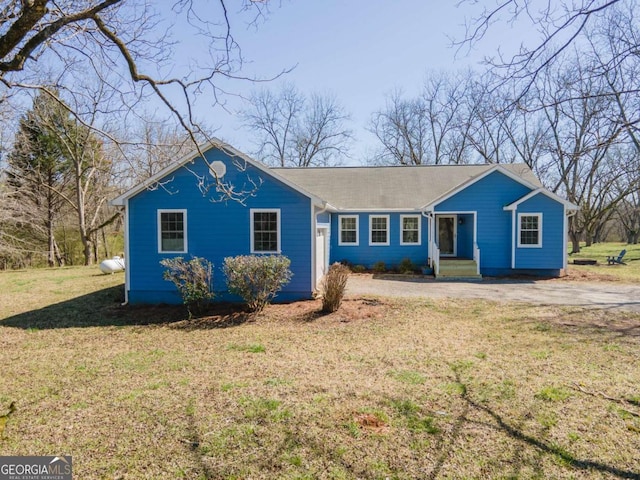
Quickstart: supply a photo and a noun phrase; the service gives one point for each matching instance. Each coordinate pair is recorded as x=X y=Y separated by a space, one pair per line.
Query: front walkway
x=596 y=294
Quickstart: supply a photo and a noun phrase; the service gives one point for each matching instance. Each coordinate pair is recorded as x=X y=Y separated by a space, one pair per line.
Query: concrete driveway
x=598 y=294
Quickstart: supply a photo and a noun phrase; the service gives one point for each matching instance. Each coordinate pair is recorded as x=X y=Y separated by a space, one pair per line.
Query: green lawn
x=600 y=251
x=380 y=389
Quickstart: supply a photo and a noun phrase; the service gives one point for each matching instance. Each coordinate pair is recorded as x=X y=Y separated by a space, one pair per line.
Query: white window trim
x=184 y=225
x=402 y=242
x=353 y=244
x=264 y=210
x=528 y=214
x=378 y=244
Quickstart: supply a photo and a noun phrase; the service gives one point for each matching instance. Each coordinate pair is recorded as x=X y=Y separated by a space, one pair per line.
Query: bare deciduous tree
x=126 y=46
x=296 y=130
x=152 y=144
x=628 y=216
x=485 y=114
x=614 y=42
x=444 y=96
x=584 y=149
x=454 y=120
x=560 y=26
x=403 y=130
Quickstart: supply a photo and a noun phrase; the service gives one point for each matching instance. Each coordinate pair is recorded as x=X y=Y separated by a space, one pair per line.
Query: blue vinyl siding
x=551 y=255
x=324 y=217
x=487 y=197
x=215 y=230
x=367 y=255
x=465 y=236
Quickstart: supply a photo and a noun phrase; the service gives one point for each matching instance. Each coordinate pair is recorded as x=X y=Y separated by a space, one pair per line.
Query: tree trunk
x=105 y=243
x=81 y=210
x=95 y=243
x=86 y=250
x=575 y=242
x=49 y=226
x=58 y=255
x=50 y=252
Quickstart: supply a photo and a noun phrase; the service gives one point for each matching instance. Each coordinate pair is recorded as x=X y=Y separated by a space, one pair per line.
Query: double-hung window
x=409 y=229
x=172 y=231
x=379 y=230
x=265 y=230
x=529 y=230
x=348 y=230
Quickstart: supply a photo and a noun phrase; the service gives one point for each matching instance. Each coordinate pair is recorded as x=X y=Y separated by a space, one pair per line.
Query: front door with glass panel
x=447 y=235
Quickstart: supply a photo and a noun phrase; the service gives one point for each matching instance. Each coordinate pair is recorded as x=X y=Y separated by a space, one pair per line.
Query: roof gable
x=494 y=168
x=542 y=191
x=190 y=157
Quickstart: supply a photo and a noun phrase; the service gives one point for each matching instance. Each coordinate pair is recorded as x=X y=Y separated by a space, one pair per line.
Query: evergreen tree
x=58 y=168
x=36 y=176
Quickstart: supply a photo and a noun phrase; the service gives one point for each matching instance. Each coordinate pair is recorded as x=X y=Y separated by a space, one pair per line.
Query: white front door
x=446 y=234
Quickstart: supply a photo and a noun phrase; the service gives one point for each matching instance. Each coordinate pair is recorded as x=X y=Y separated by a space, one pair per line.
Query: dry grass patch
x=379 y=389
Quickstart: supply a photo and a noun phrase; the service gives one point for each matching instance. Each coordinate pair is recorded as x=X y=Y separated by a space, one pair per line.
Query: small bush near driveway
x=334 y=286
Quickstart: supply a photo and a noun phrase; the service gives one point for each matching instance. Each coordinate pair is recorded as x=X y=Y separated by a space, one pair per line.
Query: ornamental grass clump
x=193 y=279
x=334 y=286
x=257 y=279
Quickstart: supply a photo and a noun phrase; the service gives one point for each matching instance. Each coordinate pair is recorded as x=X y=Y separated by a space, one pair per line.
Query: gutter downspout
x=127 y=269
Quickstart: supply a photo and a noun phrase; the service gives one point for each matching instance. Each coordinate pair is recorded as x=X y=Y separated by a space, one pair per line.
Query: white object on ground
x=112 y=265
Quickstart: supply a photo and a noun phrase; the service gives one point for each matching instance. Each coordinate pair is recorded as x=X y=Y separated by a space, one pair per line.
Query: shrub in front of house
x=379 y=267
x=406 y=266
x=193 y=279
x=257 y=279
x=334 y=286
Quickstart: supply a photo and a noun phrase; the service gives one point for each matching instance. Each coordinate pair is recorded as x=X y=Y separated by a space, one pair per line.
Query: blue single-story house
x=461 y=220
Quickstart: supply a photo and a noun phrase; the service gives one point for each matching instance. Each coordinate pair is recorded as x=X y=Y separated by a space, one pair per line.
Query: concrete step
x=456 y=269
x=462 y=278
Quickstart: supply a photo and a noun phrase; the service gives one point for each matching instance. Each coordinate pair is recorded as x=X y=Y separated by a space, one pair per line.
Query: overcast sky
x=358 y=51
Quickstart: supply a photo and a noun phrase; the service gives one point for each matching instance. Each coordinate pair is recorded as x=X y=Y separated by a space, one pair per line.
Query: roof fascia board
x=356 y=210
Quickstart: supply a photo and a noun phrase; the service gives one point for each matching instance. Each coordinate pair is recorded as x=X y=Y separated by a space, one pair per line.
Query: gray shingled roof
x=401 y=187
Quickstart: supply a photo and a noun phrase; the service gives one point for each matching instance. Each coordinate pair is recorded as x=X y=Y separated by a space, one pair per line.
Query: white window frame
x=378 y=244
x=184 y=227
x=402 y=242
x=528 y=214
x=340 y=242
x=251 y=229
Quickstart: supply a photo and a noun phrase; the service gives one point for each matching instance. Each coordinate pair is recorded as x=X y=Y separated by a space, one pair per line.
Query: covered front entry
x=454 y=245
